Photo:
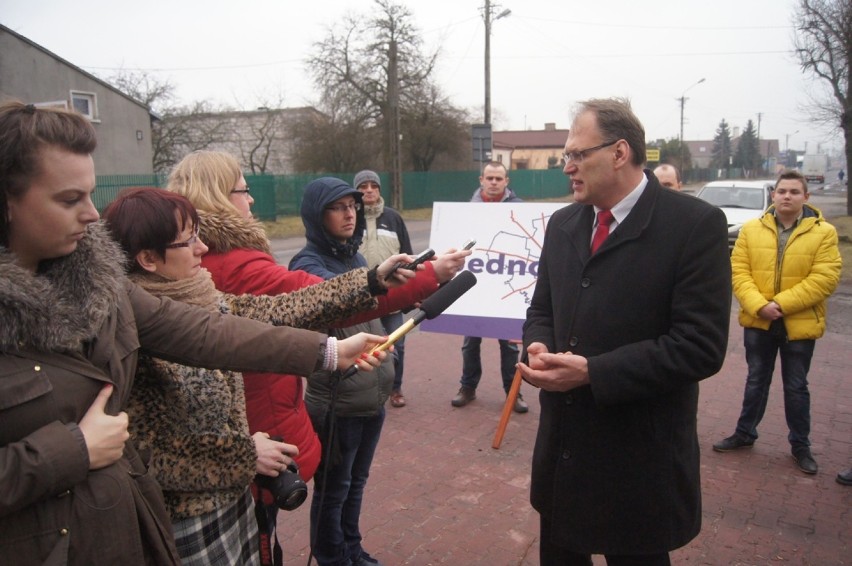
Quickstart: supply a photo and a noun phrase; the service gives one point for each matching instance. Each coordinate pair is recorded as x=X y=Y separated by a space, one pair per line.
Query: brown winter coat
x=64 y=334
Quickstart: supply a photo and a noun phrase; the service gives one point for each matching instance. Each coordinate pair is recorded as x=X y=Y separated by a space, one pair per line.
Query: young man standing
x=493 y=187
x=384 y=236
x=785 y=266
x=334 y=225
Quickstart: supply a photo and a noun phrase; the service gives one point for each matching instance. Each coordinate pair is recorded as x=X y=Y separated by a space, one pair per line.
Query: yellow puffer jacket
x=806 y=276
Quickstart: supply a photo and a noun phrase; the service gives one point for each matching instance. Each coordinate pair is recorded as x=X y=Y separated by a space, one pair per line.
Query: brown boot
x=463 y=397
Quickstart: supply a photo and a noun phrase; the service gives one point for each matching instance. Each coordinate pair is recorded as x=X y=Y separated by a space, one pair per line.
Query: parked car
x=739 y=200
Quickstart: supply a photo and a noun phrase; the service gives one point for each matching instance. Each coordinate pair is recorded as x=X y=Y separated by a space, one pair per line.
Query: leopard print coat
x=191 y=420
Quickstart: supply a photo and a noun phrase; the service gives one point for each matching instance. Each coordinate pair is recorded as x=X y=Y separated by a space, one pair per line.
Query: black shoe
x=366 y=560
x=844 y=477
x=804 y=460
x=733 y=442
x=464 y=396
x=520 y=405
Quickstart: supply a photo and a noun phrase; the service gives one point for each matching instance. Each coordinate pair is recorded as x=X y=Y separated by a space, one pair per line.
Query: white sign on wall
x=509 y=237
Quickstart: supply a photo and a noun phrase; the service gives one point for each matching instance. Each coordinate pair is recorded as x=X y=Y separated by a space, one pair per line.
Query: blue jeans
x=761 y=348
x=472 y=363
x=335 y=534
x=391 y=322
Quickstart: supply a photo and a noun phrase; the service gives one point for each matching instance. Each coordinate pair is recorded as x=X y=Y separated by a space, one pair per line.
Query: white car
x=739 y=200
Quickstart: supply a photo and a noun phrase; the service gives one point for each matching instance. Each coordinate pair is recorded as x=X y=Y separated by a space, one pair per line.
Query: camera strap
x=270 y=550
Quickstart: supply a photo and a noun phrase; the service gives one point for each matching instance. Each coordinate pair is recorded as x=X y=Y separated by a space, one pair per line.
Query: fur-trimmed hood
x=223 y=232
x=69 y=299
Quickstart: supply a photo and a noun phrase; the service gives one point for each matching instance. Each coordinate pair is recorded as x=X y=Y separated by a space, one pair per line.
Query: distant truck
x=814 y=167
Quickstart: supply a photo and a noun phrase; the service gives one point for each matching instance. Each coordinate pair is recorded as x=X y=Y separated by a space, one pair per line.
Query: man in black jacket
x=630 y=312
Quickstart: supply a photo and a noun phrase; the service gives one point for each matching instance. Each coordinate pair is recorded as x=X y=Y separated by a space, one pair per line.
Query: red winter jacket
x=274 y=402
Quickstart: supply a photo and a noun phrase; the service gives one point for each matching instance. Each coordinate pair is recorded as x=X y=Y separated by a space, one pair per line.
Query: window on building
x=86 y=103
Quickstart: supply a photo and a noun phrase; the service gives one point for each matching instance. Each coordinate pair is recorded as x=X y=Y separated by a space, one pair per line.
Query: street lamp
x=682 y=101
x=488 y=19
x=787 y=141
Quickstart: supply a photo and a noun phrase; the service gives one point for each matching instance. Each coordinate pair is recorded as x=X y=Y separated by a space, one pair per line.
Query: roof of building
x=548 y=138
x=73 y=66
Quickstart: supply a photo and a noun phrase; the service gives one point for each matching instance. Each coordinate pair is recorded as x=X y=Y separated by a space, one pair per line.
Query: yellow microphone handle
x=395 y=335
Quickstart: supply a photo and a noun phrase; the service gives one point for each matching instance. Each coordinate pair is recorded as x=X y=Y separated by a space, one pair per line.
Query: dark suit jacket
x=616 y=463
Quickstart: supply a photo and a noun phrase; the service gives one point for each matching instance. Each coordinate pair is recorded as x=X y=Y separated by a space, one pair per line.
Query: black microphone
x=433 y=306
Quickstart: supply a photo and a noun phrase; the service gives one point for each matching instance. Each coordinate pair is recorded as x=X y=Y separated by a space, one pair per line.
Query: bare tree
x=336 y=140
x=183 y=129
x=353 y=68
x=433 y=127
x=175 y=129
x=823 y=44
x=154 y=93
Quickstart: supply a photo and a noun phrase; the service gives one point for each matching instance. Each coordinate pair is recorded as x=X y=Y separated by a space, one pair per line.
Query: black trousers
x=551 y=554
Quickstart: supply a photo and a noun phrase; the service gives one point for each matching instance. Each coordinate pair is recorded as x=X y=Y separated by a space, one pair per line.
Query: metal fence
x=108 y=186
x=281 y=195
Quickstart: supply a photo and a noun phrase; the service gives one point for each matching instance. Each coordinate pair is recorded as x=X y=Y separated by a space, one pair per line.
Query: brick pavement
x=439 y=494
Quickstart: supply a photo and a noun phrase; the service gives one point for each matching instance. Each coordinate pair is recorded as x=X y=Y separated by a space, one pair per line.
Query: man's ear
x=147 y=260
x=621 y=154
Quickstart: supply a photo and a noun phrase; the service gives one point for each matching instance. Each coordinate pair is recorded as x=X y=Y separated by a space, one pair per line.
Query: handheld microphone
x=433 y=306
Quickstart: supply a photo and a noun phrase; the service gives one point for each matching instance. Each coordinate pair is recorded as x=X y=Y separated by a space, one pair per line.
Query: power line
x=678 y=27
x=213 y=68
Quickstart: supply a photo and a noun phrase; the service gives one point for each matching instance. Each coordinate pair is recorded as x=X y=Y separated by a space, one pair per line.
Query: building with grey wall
x=32 y=74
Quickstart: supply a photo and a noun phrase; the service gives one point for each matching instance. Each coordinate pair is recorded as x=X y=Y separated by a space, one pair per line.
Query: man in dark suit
x=617 y=340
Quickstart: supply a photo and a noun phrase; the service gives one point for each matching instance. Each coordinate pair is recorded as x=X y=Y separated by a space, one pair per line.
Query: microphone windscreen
x=447 y=295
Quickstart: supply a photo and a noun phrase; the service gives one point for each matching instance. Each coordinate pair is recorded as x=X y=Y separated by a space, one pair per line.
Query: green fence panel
x=421 y=188
x=263 y=192
x=536 y=184
x=281 y=195
x=288 y=191
x=108 y=186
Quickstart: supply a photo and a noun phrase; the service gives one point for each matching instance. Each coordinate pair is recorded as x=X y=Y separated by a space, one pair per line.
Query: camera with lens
x=288 y=489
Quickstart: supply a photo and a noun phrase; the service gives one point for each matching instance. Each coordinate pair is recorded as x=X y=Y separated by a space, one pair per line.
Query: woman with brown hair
x=75 y=490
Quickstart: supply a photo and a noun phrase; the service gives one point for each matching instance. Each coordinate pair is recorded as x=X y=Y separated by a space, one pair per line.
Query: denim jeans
x=472 y=363
x=335 y=534
x=391 y=322
x=761 y=348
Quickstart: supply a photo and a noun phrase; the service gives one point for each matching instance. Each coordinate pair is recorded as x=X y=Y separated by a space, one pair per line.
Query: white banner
x=509 y=237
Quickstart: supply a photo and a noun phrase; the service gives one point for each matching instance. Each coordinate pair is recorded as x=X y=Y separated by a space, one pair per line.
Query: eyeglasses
x=244 y=191
x=191 y=241
x=343 y=208
x=579 y=156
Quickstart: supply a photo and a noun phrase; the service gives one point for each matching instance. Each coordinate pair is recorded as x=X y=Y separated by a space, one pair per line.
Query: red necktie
x=605 y=218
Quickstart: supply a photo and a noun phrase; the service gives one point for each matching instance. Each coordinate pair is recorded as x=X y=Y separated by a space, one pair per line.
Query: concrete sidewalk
x=439 y=494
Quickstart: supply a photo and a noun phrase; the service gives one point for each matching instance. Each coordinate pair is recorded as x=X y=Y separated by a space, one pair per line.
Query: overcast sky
x=546 y=55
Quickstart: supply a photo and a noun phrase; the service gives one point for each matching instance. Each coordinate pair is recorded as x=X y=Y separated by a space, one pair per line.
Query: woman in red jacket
x=240 y=261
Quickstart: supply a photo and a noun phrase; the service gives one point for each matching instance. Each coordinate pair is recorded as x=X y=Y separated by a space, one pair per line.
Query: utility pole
x=487 y=16
x=759 y=153
x=682 y=100
x=394 y=130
